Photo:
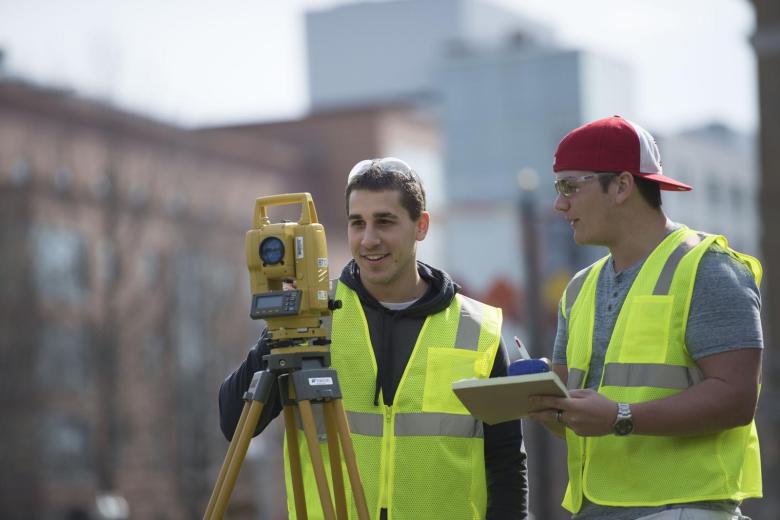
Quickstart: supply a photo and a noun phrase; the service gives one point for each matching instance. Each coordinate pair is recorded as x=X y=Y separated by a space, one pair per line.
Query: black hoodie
x=393 y=336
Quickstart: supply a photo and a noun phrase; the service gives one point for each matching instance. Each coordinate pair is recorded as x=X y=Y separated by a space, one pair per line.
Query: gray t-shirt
x=724 y=316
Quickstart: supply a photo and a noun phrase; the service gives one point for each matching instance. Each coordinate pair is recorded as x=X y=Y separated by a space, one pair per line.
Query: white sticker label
x=322 y=295
x=322 y=262
x=320 y=381
x=299 y=247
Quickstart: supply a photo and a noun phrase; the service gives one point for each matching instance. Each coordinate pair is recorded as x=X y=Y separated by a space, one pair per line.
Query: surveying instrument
x=288 y=269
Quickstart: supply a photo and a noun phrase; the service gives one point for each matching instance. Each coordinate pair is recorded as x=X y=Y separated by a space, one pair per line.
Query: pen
x=523 y=352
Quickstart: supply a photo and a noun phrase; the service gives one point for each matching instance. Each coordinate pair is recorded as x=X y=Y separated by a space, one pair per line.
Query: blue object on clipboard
x=527 y=366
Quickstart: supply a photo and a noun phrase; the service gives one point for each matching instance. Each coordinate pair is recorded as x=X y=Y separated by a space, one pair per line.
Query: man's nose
x=561 y=203
x=370 y=237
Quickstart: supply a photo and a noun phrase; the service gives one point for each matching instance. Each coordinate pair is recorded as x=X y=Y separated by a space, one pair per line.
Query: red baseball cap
x=614 y=144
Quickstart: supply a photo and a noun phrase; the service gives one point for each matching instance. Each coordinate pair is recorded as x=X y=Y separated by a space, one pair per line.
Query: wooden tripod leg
x=294 y=454
x=351 y=461
x=239 y=452
x=337 y=475
x=310 y=430
x=226 y=463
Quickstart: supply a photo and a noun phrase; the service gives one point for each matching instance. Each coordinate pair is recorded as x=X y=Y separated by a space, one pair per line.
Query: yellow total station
x=288 y=271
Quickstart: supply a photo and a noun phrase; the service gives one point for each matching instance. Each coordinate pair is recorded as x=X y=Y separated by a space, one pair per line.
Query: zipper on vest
x=385 y=467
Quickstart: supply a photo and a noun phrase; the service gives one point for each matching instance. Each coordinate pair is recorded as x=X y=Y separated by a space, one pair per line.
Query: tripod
x=303 y=375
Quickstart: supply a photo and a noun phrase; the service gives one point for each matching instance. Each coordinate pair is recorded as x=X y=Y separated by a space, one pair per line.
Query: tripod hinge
x=261 y=386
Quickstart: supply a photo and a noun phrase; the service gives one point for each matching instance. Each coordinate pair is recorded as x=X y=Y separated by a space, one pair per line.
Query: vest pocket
x=445 y=366
x=646 y=334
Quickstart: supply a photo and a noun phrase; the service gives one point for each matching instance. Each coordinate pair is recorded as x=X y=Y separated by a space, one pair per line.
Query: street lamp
x=528 y=184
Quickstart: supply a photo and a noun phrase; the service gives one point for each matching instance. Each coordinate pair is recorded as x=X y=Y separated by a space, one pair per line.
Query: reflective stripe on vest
x=412 y=424
x=646 y=359
x=574 y=288
x=575 y=379
x=649 y=374
x=469 y=324
x=665 y=278
x=640 y=374
x=443 y=424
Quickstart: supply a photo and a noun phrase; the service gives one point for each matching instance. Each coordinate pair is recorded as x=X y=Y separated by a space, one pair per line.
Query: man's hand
x=586 y=412
x=556 y=428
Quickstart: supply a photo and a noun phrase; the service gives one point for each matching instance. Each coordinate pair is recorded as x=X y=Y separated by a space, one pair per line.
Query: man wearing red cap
x=659 y=342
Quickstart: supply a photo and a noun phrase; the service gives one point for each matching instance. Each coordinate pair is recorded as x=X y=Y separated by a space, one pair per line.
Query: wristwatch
x=624 y=423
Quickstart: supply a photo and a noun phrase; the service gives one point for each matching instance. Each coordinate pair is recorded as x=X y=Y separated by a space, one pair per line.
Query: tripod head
x=292 y=253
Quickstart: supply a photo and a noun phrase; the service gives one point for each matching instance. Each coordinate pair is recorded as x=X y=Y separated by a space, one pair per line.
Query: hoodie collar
x=441 y=290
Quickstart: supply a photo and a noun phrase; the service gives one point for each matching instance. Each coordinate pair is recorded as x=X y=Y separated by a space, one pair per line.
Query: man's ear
x=422 y=225
x=625 y=187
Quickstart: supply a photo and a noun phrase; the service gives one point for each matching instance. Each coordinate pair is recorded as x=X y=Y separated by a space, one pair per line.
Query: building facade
x=123 y=304
x=380 y=52
x=721 y=165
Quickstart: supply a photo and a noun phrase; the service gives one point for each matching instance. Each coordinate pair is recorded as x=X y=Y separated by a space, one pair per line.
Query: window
x=176 y=204
x=139 y=196
x=153 y=355
x=66 y=445
x=150 y=269
x=188 y=324
x=20 y=173
x=102 y=187
x=220 y=279
x=59 y=264
x=107 y=261
x=62 y=179
x=62 y=363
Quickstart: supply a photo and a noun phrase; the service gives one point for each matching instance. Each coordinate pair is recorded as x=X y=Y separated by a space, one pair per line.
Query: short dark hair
x=393 y=175
x=649 y=190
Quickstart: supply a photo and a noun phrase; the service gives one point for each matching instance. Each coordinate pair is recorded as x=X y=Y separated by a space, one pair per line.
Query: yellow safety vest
x=646 y=360
x=422 y=457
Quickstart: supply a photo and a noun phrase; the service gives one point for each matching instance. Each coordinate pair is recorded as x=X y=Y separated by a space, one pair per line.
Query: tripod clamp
x=313 y=379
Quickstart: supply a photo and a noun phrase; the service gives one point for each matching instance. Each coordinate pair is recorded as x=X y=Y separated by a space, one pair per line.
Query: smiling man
x=403 y=335
x=659 y=342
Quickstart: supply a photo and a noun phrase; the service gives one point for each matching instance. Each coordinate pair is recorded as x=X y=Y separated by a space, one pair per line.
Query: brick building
x=123 y=304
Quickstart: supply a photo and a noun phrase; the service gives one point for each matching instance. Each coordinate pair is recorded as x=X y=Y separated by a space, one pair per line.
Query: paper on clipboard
x=502 y=399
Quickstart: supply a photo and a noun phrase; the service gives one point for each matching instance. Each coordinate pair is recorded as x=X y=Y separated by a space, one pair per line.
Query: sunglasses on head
x=387 y=164
x=568 y=186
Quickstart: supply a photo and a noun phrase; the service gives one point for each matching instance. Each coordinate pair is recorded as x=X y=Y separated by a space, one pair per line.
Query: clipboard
x=502 y=399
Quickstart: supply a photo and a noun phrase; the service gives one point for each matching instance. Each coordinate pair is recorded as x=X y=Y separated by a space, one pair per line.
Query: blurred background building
x=123 y=300
x=122 y=303
x=721 y=164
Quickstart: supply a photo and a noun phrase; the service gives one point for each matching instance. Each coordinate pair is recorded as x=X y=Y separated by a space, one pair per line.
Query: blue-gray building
x=505 y=93
x=375 y=52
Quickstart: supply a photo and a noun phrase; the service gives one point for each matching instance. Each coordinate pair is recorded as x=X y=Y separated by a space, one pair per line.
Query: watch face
x=624 y=426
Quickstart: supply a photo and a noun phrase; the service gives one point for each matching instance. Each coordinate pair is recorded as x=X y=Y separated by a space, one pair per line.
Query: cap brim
x=665 y=183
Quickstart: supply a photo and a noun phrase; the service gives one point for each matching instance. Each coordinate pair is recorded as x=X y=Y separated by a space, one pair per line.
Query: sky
x=207 y=62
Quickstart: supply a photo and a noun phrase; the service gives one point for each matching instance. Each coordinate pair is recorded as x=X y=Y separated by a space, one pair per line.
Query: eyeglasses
x=387 y=164
x=568 y=186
